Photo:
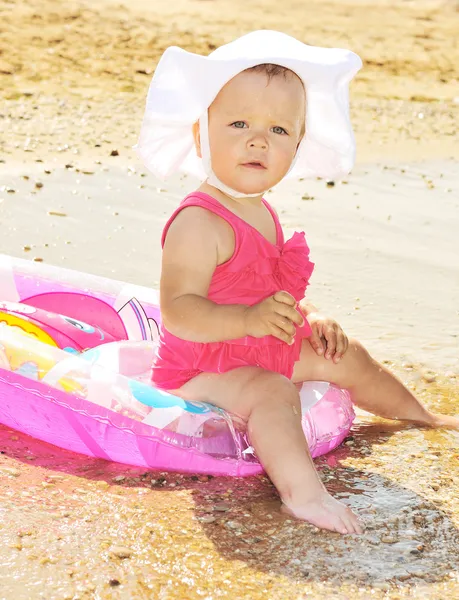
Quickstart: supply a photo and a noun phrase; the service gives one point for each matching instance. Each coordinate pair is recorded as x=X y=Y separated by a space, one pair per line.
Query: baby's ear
x=197 y=138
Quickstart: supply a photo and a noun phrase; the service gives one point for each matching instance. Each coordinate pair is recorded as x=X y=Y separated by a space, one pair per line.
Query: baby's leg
x=269 y=403
x=371 y=385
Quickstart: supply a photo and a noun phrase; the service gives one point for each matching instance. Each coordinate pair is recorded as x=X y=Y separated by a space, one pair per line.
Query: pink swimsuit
x=256 y=270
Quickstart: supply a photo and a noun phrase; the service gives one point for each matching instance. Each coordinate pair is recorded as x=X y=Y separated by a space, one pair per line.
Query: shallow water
x=74 y=527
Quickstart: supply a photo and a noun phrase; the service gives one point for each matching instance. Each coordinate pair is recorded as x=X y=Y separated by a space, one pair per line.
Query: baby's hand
x=327 y=336
x=276 y=315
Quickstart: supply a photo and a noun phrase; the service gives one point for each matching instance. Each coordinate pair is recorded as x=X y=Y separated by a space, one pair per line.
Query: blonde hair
x=271 y=71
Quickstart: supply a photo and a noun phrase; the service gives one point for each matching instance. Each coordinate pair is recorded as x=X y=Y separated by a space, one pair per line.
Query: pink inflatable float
x=75 y=358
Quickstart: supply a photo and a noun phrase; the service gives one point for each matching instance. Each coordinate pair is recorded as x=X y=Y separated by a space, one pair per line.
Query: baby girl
x=237 y=329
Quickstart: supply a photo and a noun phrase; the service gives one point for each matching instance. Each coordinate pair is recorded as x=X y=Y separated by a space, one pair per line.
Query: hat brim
x=185 y=84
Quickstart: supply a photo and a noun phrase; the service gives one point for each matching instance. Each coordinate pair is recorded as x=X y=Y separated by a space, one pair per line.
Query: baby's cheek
x=220 y=163
x=284 y=160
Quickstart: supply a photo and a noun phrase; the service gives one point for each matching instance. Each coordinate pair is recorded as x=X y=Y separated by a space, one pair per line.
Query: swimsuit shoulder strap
x=209 y=203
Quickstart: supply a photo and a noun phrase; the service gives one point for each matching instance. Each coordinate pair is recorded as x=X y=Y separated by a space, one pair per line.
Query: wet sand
x=73 y=79
x=74 y=527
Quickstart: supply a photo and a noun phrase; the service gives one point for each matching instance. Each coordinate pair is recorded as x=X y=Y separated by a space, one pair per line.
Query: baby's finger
x=341 y=343
x=280 y=334
x=285 y=324
x=290 y=313
x=295 y=316
x=330 y=336
x=285 y=298
x=316 y=342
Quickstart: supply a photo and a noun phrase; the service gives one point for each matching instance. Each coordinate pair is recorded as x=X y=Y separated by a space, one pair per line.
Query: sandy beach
x=73 y=80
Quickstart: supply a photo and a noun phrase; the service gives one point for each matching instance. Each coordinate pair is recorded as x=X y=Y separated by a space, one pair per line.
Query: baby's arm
x=190 y=257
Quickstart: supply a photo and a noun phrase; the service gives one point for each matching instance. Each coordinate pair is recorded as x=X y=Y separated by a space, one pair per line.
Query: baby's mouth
x=254 y=165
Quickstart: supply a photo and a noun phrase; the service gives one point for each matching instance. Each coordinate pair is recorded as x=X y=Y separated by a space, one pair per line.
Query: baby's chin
x=250 y=190
x=251 y=185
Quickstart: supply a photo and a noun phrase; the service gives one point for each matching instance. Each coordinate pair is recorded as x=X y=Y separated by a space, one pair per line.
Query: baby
x=237 y=329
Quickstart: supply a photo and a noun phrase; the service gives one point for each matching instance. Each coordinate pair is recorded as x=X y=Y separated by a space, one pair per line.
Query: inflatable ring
x=75 y=358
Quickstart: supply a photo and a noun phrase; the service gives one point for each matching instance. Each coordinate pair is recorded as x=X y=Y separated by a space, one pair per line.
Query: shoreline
x=386 y=257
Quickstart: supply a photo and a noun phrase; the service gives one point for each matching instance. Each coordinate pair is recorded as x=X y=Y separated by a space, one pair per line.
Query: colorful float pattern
x=75 y=358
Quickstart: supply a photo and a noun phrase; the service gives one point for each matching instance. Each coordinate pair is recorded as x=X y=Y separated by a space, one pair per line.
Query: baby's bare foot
x=445 y=421
x=327 y=513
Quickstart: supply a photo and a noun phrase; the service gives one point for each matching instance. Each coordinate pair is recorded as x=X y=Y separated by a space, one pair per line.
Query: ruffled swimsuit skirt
x=257 y=270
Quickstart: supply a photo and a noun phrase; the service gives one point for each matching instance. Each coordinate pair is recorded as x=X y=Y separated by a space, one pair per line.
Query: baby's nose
x=258 y=142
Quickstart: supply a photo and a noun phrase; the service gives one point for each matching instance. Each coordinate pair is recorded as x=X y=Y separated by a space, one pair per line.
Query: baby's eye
x=238 y=124
x=278 y=129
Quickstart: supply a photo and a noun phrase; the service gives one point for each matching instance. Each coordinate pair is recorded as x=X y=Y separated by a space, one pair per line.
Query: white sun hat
x=185 y=84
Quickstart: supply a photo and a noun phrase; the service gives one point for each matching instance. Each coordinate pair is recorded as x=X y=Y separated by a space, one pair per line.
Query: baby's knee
x=268 y=387
x=357 y=351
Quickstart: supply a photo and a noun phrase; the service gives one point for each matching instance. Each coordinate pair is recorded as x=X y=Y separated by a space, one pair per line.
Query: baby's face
x=255 y=128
